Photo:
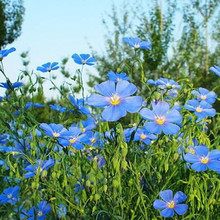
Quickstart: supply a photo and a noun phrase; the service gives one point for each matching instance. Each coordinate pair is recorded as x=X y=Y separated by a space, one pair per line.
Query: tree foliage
x=11 y=18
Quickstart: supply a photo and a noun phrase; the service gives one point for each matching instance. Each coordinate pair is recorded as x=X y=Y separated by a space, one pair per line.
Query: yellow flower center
x=171 y=204
x=115 y=100
x=143 y=136
x=160 y=120
x=55 y=134
x=83 y=61
x=9 y=196
x=40 y=214
x=118 y=79
x=83 y=130
x=192 y=151
x=136 y=45
x=203 y=97
x=204 y=160
x=72 y=141
x=199 y=109
x=92 y=140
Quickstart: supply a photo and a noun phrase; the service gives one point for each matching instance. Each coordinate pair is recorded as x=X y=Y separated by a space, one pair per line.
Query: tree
x=11 y=18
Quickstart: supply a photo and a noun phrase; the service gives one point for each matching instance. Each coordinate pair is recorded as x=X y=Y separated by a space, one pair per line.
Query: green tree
x=11 y=18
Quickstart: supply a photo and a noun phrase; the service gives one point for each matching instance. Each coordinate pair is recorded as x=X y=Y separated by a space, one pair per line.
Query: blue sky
x=53 y=29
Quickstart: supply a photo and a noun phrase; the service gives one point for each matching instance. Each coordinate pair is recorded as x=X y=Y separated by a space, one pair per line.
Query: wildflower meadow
x=115 y=154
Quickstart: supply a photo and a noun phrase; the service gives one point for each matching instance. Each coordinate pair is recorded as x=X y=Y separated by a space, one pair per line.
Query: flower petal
x=159 y=204
x=124 y=88
x=166 y=195
x=181 y=209
x=113 y=113
x=167 y=213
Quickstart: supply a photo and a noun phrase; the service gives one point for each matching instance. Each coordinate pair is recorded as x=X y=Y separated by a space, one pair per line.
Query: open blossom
x=9 y=85
x=40 y=212
x=144 y=136
x=116 y=77
x=4 y=53
x=48 y=67
x=169 y=204
x=202 y=109
x=205 y=95
x=202 y=159
x=116 y=98
x=10 y=195
x=215 y=69
x=83 y=59
x=161 y=118
x=164 y=83
x=137 y=43
x=53 y=130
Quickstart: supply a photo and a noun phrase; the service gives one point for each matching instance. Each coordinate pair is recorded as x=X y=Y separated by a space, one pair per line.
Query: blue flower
x=136 y=43
x=87 y=125
x=93 y=139
x=4 y=53
x=41 y=212
x=36 y=105
x=215 y=69
x=144 y=136
x=116 y=98
x=53 y=130
x=202 y=109
x=48 y=67
x=203 y=159
x=169 y=204
x=83 y=59
x=72 y=137
x=164 y=83
x=80 y=106
x=9 y=85
x=39 y=166
x=205 y=95
x=162 y=118
x=61 y=211
x=116 y=77
x=10 y=195
x=58 y=108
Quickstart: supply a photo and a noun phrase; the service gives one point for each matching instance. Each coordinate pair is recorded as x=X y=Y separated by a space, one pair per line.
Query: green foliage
x=11 y=18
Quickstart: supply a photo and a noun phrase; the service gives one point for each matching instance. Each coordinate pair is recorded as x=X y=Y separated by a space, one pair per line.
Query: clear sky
x=53 y=29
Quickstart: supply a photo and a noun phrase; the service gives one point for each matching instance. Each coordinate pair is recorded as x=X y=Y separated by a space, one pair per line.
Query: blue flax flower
x=87 y=125
x=116 y=77
x=164 y=83
x=72 y=137
x=53 y=130
x=116 y=98
x=39 y=166
x=137 y=43
x=93 y=139
x=215 y=69
x=144 y=136
x=48 y=67
x=4 y=53
x=169 y=204
x=80 y=105
x=83 y=59
x=9 y=85
x=36 y=105
x=10 y=195
x=61 y=211
x=162 y=118
x=41 y=212
x=203 y=159
x=58 y=108
x=202 y=109
x=205 y=95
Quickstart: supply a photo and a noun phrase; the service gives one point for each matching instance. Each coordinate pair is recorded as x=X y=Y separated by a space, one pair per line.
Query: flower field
x=112 y=155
